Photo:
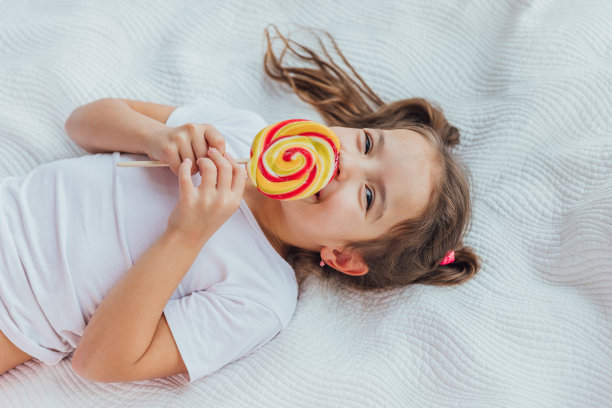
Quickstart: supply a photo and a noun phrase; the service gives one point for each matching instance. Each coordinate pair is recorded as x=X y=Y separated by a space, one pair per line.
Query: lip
x=318 y=196
x=313 y=199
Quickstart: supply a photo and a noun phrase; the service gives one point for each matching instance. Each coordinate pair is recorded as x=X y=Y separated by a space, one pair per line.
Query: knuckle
x=236 y=199
x=221 y=200
x=190 y=127
x=210 y=129
x=205 y=201
x=190 y=200
x=167 y=150
x=208 y=164
x=213 y=134
x=178 y=137
x=224 y=165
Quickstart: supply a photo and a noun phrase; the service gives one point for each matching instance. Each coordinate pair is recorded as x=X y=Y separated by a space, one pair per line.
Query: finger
x=198 y=142
x=224 y=169
x=185 y=182
x=239 y=175
x=174 y=160
x=208 y=171
x=186 y=152
x=214 y=138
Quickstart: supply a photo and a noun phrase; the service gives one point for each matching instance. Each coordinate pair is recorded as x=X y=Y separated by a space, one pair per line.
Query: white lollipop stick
x=156 y=163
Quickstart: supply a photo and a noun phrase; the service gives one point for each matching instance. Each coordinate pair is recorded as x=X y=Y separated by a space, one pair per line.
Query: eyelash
x=368 y=140
x=371 y=198
x=368 y=149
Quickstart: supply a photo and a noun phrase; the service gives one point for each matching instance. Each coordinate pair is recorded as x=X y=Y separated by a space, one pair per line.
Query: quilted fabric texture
x=529 y=85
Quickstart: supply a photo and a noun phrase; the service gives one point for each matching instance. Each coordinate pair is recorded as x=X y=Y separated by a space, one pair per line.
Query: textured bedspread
x=528 y=83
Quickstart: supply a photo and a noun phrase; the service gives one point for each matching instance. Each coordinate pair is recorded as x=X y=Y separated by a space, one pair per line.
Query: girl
x=104 y=262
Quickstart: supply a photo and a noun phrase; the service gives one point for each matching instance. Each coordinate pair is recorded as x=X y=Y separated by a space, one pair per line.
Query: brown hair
x=412 y=250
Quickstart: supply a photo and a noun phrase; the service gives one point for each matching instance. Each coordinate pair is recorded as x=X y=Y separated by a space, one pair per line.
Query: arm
x=124 y=324
x=123 y=125
x=127 y=338
x=110 y=124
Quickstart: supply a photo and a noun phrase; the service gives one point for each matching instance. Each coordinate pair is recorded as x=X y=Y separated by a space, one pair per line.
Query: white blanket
x=528 y=83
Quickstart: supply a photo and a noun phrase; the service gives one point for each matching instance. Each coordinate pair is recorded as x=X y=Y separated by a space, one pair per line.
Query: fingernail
x=187 y=160
x=227 y=155
x=212 y=150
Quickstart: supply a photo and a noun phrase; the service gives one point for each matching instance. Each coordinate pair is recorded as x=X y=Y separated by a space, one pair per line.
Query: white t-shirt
x=70 y=229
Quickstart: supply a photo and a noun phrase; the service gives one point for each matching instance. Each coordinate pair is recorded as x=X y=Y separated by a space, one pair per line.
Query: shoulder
x=257 y=273
x=281 y=295
x=276 y=277
x=270 y=285
x=217 y=113
x=272 y=302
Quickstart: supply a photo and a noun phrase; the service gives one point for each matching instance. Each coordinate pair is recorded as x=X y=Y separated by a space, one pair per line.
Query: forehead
x=409 y=174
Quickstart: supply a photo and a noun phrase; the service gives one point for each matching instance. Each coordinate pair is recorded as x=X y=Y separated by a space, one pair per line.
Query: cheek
x=335 y=212
x=339 y=209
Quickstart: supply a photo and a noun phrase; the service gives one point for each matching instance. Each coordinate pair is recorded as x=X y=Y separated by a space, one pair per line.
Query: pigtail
x=464 y=267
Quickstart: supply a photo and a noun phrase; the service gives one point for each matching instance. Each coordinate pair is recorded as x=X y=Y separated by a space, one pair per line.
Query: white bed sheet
x=528 y=83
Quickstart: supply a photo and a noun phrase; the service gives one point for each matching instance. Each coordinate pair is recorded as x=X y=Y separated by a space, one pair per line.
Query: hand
x=201 y=210
x=172 y=145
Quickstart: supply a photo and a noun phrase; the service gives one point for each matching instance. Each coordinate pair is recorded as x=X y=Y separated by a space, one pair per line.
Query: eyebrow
x=382 y=206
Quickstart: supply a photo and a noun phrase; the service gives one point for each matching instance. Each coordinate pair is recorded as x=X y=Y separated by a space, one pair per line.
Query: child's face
x=394 y=177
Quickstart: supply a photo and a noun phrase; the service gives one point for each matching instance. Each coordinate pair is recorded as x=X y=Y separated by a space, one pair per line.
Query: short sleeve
x=216 y=113
x=213 y=330
x=238 y=126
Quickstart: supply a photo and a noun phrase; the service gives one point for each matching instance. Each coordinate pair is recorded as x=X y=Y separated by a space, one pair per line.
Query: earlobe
x=349 y=263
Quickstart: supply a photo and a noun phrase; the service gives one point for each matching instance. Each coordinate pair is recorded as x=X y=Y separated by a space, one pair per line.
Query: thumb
x=184 y=175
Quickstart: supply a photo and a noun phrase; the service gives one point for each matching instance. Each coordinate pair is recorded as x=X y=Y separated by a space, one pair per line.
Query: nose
x=348 y=166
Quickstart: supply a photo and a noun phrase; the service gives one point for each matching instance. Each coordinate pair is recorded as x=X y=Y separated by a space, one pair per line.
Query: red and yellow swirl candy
x=293 y=159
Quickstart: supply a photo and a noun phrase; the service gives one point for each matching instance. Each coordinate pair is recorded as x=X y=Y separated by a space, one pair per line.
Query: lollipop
x=289 y=160
x=293 y=159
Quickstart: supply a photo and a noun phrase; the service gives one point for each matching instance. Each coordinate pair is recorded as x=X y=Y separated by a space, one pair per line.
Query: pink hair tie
x=448 y=258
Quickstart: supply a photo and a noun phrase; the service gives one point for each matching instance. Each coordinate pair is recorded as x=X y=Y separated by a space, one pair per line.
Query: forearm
x=124 y=323
x=108 y=125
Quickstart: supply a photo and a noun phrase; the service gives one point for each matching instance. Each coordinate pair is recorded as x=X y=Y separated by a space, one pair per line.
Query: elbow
x=90 y=374
x=93 y=369
x=71 y=127
x=80 y=367
x=69 y=124
x=74 y=124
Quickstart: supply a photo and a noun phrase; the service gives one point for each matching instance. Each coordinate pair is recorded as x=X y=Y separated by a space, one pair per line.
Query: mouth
x=337 y=166
x=316 y=197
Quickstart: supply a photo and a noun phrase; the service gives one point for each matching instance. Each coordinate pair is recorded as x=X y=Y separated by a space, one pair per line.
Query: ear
x=350 y=263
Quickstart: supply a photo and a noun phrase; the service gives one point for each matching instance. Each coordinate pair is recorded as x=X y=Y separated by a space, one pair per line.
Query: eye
x=368 y=142
x=369 y=198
